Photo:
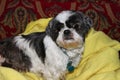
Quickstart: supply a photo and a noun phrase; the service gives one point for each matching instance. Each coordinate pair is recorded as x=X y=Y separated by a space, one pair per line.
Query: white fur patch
x=56 y=61
x=63 y=16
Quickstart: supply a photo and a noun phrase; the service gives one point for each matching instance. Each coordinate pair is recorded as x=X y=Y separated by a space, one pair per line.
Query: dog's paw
x=21 y=67
x=2 y=59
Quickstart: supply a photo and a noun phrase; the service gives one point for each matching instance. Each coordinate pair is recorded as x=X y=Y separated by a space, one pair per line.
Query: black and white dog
x=52 y=53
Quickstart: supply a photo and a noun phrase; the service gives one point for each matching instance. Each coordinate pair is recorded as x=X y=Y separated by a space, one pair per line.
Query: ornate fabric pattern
x=16 y=14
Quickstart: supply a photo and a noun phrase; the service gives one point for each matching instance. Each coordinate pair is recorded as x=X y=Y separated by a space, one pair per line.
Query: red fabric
x=16 y=14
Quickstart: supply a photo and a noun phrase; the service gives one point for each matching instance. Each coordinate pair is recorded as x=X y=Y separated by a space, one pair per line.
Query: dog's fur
x=48 y=53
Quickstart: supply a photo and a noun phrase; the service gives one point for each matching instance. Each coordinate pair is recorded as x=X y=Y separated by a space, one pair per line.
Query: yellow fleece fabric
x=100 y=60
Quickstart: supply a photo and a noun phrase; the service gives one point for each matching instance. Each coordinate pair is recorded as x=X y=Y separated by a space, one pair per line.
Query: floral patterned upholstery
x=16 y=14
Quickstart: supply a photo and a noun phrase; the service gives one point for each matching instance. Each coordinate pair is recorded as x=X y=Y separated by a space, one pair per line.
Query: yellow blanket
x=100 y=58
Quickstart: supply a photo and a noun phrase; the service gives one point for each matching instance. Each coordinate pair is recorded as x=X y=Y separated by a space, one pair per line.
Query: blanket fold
x=100 y=60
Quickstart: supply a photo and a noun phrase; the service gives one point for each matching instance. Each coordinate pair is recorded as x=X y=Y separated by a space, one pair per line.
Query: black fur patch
x=14 y=57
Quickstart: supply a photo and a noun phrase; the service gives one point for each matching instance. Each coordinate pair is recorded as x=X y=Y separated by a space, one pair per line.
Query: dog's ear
x=88 y=21
x=48 y=29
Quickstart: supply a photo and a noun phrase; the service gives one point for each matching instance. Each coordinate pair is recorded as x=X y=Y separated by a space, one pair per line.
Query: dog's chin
x=70 y=44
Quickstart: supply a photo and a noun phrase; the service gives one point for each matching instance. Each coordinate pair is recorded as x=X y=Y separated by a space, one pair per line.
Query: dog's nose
x=67 y=32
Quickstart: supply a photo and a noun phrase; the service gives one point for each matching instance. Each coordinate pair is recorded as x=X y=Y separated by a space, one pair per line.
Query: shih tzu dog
x=52 y=53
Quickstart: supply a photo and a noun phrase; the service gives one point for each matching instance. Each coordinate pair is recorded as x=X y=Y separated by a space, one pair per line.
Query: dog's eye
x=58 y=28
x=76 y=26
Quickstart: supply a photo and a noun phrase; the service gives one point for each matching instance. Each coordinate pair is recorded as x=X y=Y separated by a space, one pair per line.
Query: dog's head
x=68 y=29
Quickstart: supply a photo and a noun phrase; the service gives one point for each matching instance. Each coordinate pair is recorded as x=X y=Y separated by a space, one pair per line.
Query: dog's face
x=68 y=29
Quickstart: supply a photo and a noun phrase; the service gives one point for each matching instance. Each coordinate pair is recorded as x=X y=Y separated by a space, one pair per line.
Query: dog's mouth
x=69 y=37
x=69 y=42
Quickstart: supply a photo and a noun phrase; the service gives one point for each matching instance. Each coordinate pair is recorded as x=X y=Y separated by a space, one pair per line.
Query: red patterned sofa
x=16 y=14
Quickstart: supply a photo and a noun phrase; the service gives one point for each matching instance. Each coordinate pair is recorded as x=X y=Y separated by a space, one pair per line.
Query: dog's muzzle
x=68 y=35
x=69 y=39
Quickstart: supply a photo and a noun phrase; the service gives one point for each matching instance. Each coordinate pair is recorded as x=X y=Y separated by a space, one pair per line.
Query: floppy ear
x=48 y=29
x=88 y=21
